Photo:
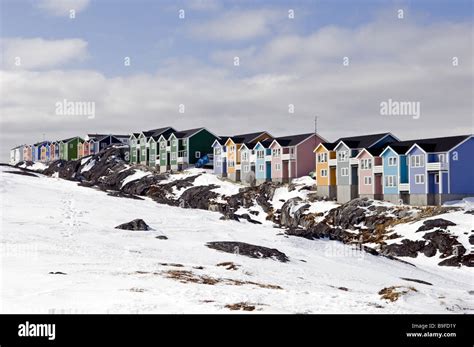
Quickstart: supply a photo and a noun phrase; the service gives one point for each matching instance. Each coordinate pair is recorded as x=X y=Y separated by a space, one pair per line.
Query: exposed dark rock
x=429 y=250
x=57 y=273
x=247 y=218
x=407 y=248
x=435 y=223
x=161 y=237
x=136 y=224
x=417 y=281
x=124 y=195
x=198 y=197
x=249 y=250
x=445 y=243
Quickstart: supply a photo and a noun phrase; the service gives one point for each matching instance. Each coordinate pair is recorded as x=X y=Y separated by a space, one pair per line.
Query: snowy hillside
x=60 y=252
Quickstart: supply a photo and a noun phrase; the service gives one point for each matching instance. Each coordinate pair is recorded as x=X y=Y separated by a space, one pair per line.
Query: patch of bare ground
x=229 y=265
x=393 y=293
x=137 y=290
x=244 y=306
x=185 y=276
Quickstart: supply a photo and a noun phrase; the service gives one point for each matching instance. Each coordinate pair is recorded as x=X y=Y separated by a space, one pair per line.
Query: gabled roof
x=158 y=132
x=328 y=145
x=41 y=143
x=264 y=143
x=293 y=140
x=439 y=144
x=400 y=147
x=71 y=138
x=187 y=133
x=248 y=138
x=364 y=141
x=374 y=152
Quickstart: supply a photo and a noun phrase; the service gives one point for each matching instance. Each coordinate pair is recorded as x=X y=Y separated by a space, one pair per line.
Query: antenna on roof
x=315 y=124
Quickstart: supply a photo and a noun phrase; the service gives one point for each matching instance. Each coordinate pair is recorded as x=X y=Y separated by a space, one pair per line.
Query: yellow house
x=233 y=146
x=326 y=170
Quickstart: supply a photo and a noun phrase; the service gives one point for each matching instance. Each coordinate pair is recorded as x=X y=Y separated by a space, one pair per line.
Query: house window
x=322 y=157
x=261 y=167
x=344 y=171
x=342 y=156
x=70 y=145
x=218 y=163
x=245 y=156
x=367 y=180
x=231 y=163
x=324 y=173
x=232 y=148
x=163 y=145
x=436 y=178
x=260 y=154
x=152 y=145
x=278 y=167
x=442 y=158
x=197 y=154
x=173 y=156
x=417 y=160
x=174 y=142
x=392 y=161
x=366 y=164
x=217 y=151
x=276 y=152
x=389 y=181
x=246 y=168
x=420 y=179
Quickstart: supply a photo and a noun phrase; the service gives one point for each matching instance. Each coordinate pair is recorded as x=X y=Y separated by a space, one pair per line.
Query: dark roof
x=247 y=138
x=440 y=144
x=70 y=138
x=329 y=145
x=187 y=133
x=222 y=139
x=375 y=151
x=363 y=141
x=157 y=132
x=266 y=143
x=41 y=143
x=292 y=140
x=401 y=147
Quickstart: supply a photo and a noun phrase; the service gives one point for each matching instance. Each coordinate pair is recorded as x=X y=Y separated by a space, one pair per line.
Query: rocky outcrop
x=136 y=224
x=248 y=250
x=435 y=223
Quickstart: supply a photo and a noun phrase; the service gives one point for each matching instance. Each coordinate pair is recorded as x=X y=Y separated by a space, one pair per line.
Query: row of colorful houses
x=67 y=149
x=418 y=172
x=378 y=166
x=169 y=149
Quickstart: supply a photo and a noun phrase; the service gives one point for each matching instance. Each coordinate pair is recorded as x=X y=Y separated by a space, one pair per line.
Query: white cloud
x=237 y=25
x=38 y=53
x=62 y=7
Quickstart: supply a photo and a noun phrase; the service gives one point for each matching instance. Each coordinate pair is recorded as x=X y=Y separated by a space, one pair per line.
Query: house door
x=138 y=155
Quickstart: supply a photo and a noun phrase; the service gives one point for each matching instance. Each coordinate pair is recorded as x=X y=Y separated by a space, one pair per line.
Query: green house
x=68 y=148
x=185 y=148
x=140 y=145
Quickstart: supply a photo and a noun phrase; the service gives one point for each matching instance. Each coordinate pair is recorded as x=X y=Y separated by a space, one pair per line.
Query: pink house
x=370 y=173
x=293 y=157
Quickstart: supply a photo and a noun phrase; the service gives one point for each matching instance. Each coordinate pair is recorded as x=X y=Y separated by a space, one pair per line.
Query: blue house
x=220 y=156
x=263 y=161
x=395 y=172
x=440 y=169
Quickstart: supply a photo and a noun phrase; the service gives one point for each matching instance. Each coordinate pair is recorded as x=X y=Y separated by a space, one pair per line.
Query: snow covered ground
x=51 y=226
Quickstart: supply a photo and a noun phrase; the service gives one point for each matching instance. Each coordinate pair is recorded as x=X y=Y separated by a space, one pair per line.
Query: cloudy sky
x=337 y=60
